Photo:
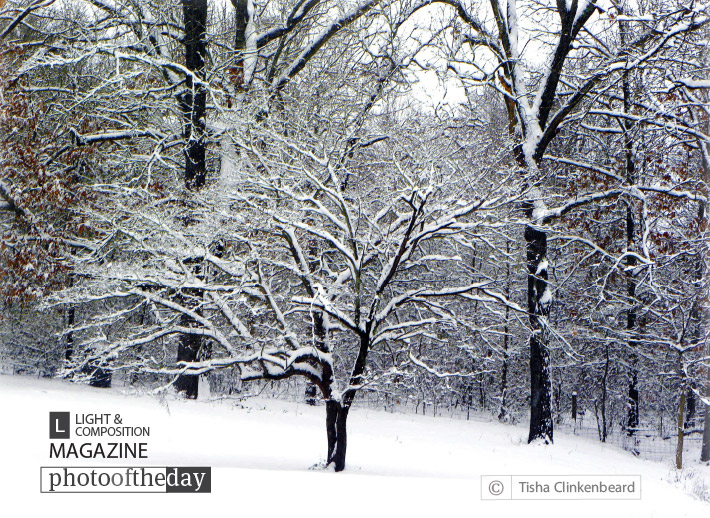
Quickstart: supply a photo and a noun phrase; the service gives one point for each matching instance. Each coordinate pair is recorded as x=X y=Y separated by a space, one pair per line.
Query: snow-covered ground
x=261 y=451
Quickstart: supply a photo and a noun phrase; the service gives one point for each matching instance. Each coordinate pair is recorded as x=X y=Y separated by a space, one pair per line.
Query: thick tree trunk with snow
x=538 y=309
x=193 y=106
x=538 y=129
x=319 y=344
x=193 y=100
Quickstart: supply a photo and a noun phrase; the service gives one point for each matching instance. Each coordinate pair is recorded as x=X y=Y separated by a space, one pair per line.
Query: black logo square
x=59 y=425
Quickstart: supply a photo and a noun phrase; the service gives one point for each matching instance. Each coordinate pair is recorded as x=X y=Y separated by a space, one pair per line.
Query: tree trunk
x=690 y=408
x=503 y=413
x=632 y=422
x=241 y=20
x=193 y=107
x=681 y=412
x=630 y=166
x=69 y=347
x=538 y=311
x=605 y=428
x=705 y=451
x=193 y=101
x=574 y=405
x=188 y=350
x=633 y=397
x=100 y=378
x=337 y=411
x=336 y=416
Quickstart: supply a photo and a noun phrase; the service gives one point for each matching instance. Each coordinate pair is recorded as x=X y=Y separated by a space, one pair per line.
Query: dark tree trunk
x=241 y=20
x=633 y=397
x=336 y=417
x=69 y=347
x=193 y=106
x=574 y=405
x=604 y=428
x=632 y=421
x=331 y=417
x=100 y=378
x=193 y=101
x=558 y=403
x=191 y=347
x=188 y=351
x=690 y=408
x=538 y=311
x=503 y=413
x=680 y=428
x=631 y=315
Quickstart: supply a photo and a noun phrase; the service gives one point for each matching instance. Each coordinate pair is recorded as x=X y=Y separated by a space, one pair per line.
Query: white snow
x=260 y=452
x=250 y=51
x=625 y=18
x=695 y=83
x=581 y=7
x=542 y=267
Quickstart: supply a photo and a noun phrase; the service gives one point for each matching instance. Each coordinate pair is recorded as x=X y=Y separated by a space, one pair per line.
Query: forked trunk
x=336 y=417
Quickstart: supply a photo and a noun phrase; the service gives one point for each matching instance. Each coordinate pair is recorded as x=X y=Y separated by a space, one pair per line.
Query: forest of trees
x=276 y=190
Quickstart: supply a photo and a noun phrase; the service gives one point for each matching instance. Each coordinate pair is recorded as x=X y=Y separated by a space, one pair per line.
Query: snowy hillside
x=261 y=452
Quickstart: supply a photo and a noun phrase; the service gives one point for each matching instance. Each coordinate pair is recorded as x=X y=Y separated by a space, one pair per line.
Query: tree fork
x=336 y=426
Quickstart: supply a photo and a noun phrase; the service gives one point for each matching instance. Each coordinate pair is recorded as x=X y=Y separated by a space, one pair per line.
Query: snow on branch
x=321 y=39
x=422 y=365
